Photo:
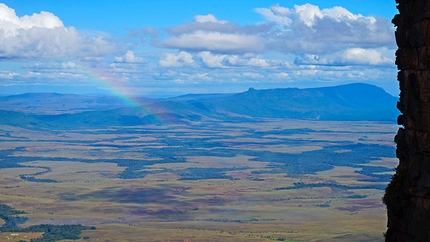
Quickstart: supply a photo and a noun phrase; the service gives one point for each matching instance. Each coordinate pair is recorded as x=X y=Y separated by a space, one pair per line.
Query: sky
x=167 y=48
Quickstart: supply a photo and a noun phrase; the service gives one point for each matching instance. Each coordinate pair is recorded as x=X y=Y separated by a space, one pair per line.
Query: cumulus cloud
x=8 y=75
x=258 y=62
x=252 y=75
x=309 y=15
x=272 y=14
x=208 y=18
x=216 y=42
x=301 y=30
x=69 y=65
x=202 y=76
x=309 y=29
x=51 y=66
x=43 y=35
x=207 y=33
x=129 y=57
x=11 y=24
x=365 y=56
x=179 y=60
x=282 y=75
x=351 y=56
x=92 y=59
x=212 y=61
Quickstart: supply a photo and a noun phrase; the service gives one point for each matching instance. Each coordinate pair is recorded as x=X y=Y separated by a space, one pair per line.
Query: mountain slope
x=18 y=119
x=55 y=103
x=346 y=102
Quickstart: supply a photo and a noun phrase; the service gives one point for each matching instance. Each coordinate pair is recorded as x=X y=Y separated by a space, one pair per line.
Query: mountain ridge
x=350 y=102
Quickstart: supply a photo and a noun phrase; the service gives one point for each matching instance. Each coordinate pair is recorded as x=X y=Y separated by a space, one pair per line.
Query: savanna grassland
x=267 y=180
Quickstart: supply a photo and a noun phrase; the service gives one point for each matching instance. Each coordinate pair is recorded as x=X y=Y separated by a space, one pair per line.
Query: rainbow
x=109 y=82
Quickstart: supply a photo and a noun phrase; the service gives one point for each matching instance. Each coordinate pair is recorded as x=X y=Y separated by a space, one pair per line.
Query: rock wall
x=408 y=195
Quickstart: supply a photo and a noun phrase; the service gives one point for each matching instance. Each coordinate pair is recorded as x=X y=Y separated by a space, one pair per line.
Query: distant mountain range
x=346 y=102
x=54 y=103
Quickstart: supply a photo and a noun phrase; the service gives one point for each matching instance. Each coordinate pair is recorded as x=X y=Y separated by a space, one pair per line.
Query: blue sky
x=176 y=47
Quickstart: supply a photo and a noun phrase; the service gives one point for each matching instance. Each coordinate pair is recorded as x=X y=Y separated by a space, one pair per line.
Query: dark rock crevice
x=408 y=195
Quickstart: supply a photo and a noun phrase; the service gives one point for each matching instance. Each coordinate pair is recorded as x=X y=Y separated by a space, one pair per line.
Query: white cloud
x=310 y=14
x=180 y=60
x=282 y=75
x=207 y=33
x=208 y=18
x=43 y=35
x=330 y=45
x=69 y=65
x=365 y=56
x=309 y=72
x=9 y=75
x=351 y=56
x=69 y=75
x=196 y=78
x=307 y=29
x=303 y=29
x=276 y=14
x=129 y=57
x=257 y=62
x=233 y=59
x=212 y=61
x=202 y=76
x=252 y=75
x=10 y=23
x=216 y=42
x=92 y=59
x=51 y=66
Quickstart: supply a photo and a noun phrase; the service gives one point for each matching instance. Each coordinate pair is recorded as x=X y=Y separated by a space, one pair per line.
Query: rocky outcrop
x=408 y=195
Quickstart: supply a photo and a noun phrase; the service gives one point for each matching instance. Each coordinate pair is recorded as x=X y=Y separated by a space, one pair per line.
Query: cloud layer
x=43 y=35
x=129 y=57
x=307 y=29
x=304 y=29
x=299 y=46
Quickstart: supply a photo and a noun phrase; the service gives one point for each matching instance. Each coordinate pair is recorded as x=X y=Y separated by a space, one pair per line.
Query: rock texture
x=408 y=195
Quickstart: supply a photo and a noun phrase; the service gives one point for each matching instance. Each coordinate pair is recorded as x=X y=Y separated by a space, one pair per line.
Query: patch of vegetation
x=205 y=173
x=371 y=170
x=52 y=233
x=322 y=160
x=7 y=210
x=8 y=215
x=6 y=162
x=298 y=185
x=33 y=179
x=177 y=149
x=393 y=193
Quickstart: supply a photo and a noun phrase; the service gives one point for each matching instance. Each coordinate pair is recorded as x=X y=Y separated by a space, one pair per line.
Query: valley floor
x=271 y=180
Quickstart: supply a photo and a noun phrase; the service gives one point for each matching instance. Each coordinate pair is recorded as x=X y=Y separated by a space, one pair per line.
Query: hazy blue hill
x=114 y=117
x=18 y=119
x=346 y=102
x=359 y=95
x=199 y=97
x=167 y=112
x=54 y=103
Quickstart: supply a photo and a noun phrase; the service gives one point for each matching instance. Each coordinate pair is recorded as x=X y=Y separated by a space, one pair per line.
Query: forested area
x=50 y=232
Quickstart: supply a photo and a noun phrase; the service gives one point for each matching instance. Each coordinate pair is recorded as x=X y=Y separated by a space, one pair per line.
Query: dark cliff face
x=408 y=195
